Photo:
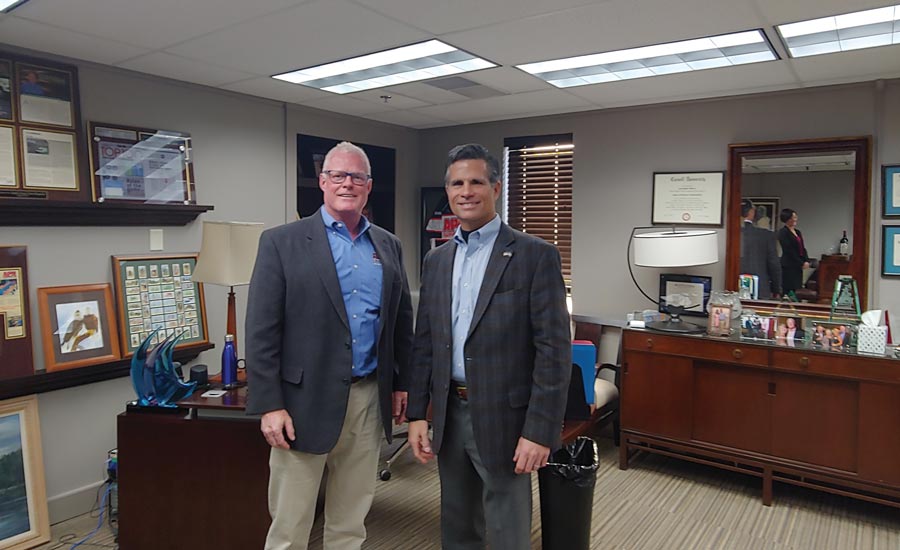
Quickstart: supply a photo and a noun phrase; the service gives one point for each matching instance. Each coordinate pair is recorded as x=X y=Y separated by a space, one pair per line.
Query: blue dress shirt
x=469 y=265
x=359 y=273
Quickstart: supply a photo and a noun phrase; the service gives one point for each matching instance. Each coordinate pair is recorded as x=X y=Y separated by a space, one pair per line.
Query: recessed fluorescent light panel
x=841 y=33
x=661 y=59
x=9 y=5
x=422 y=61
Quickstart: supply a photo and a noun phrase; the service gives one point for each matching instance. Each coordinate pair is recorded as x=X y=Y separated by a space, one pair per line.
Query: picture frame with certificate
x=688 y=198
x=26 y=519
x=16 y=358
x=890 y=251
x=151 y=297
x=78 y=326
x=7 y=105
x=49 y=160
x=46 y=95
x=890 y=201
x=9 y=165
x=131 y=164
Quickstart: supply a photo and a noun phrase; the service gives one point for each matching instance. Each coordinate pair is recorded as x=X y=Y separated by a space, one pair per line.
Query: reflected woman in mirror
x=793 y=252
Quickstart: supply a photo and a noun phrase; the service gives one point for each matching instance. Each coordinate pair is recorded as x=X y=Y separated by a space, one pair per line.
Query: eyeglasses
x=339 y=176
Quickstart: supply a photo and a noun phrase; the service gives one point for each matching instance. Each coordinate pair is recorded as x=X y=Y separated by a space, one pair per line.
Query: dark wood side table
x=194 y=478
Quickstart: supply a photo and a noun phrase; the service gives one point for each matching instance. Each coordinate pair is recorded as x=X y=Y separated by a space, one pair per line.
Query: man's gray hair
x=474 y=151
x=347 y=147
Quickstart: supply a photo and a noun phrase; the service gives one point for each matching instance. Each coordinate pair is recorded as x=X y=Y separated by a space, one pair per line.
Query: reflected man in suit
x=758 y=254
x=329 y=332
x=493 y=355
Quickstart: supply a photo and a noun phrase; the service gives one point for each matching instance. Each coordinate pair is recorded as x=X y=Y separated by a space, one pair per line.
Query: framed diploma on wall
x=688 y=198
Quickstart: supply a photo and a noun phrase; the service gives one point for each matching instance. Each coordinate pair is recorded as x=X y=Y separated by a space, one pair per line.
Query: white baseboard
x=73 y=503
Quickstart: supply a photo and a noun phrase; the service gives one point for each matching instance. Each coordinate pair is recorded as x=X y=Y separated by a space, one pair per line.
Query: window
x=538 y=190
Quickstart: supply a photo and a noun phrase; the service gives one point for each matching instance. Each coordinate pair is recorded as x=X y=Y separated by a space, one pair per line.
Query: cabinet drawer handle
x=804 y=362
x=649 y=343
x=737 y=354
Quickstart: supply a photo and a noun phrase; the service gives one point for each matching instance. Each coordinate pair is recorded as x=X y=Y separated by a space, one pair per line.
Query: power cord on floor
x=102 y=507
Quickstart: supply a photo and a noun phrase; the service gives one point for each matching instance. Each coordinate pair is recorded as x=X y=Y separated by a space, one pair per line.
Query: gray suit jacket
x=298 y=339
x=518 y=351
x=760 y=257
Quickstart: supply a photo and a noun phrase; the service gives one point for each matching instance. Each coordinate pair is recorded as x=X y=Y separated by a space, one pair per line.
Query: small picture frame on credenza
x=719 y=323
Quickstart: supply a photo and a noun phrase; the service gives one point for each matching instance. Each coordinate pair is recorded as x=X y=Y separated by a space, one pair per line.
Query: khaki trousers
x=294 y=479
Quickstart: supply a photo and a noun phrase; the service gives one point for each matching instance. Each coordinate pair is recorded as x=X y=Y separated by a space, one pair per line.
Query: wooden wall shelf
x=34 y=212
x=50 y=381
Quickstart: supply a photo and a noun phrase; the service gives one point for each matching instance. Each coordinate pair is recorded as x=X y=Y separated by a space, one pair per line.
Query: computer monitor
x=695 y=287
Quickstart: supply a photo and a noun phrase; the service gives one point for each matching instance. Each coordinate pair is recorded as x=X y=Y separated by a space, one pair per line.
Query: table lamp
x=226 y=258
x=672 y=248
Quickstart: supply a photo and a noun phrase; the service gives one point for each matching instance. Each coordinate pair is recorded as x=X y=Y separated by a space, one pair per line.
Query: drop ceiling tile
x=347 y=105
x=41 y=37
x=850 y=66
x=179 y=68
x=153 y=25
x=526 y=104
x=397 y=101
x=443 y=17
x=310 y=34
x=410 y=119
x=426 y=92
x=778 y=12
x=508 y=79
x=265 y=86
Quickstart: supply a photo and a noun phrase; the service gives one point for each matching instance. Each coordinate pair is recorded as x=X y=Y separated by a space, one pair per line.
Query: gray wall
x=617 y=151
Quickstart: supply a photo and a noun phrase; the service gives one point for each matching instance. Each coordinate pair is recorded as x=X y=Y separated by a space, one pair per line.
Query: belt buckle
x=462 y=392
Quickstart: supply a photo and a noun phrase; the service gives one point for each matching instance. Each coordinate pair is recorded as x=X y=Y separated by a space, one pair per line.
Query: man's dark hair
x=746 y=206
x=786 y=214
x=474 y=151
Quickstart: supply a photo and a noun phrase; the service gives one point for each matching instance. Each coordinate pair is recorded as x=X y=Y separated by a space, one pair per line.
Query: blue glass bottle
x=229 y=362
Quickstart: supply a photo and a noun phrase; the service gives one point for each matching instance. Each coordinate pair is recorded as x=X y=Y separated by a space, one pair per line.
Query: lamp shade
x=676 y=248
x=228 y=253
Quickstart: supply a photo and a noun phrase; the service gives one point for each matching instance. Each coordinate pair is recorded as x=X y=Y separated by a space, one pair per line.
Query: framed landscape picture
x=24 y=521
x=78 y=326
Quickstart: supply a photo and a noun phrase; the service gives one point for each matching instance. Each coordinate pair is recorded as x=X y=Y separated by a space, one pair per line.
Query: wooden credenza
x=819 y=419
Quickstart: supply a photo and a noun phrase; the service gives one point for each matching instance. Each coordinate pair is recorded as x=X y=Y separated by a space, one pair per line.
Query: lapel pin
x=507 y=254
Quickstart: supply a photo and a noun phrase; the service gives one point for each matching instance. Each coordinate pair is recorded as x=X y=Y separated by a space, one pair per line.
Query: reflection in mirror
x=787 y=194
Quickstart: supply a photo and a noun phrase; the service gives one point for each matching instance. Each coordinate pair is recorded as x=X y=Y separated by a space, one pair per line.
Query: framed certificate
x=890 y=254
x=890 y=205
x=693 y=198
x=141 y=165
x=157 y=298
x=50 y=160
x=9 y=172
x=15 y=335
x=45 y=95
x=6 y=102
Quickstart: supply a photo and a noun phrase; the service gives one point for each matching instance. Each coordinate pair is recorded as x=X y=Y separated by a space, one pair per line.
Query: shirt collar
x=339 y=226
x=485 y=233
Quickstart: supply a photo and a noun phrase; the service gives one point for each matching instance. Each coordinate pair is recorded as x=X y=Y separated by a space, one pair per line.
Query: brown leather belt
x=459 y=390
x=355 y=379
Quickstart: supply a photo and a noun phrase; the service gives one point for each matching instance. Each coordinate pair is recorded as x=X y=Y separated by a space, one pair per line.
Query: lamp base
x=675 y=324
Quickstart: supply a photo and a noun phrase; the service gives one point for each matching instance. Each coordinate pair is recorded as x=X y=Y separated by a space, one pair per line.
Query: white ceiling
x=237 y=44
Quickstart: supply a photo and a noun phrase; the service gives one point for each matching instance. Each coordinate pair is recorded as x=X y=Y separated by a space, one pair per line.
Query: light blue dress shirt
x=469 y=265
x=359 y=273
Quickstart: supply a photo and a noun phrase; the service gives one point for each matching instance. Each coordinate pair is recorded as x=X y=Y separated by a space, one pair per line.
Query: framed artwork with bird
x=78 y=326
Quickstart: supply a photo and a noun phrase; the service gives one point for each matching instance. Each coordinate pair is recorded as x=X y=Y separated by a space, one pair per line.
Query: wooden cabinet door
x=656 y=394
x=879 y=433
x=815 y=420
x=733 y=406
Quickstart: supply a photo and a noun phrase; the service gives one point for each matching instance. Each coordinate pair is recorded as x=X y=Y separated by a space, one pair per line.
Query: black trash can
x=567 y=496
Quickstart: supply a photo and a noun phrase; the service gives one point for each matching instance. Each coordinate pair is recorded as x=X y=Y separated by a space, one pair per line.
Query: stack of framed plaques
x=15 y=335
x=157 y=292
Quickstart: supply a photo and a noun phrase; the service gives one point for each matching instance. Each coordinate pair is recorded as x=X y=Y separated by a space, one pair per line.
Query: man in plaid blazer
x=492 y=355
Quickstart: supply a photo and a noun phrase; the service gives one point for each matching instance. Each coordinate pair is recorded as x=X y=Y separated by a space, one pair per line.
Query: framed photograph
x=50 y=160
x=758 y=327
x=24 y=521
x=15 y=335
x=767 y=211
x=172 y=304
x=834 y=335
x=6 y=102
x=890 y=192
x=890 y=251
x=719 y=323
x=45 y=95
x=78 y=326
x=694 y=198
x=141 y=164
x=9 y=172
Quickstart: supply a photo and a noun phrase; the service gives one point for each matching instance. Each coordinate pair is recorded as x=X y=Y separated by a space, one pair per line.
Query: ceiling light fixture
x=421 y=61
x=656 y=60
x=841 y=33
x=7 y=6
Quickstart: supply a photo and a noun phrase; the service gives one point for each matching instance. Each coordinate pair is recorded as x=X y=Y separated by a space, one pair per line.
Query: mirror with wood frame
x=820 y=187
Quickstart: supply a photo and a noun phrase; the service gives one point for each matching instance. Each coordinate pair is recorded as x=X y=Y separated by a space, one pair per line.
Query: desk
x=819 y=419
x=187 y=480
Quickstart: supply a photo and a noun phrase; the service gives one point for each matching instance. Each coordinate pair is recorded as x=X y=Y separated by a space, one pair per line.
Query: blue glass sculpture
x=153 y=374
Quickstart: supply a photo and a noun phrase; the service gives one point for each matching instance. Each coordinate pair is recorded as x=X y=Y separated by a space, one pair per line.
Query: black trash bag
x=567 y=495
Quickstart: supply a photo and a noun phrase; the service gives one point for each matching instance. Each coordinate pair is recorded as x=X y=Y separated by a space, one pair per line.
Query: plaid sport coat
x=518 y=351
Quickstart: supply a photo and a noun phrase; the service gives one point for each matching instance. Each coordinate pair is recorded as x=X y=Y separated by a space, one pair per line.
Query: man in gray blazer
x=758 y=254
x=329 y=332
x=493 y=356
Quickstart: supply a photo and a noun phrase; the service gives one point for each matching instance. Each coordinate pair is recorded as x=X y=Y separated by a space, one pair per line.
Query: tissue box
x=871 y=339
